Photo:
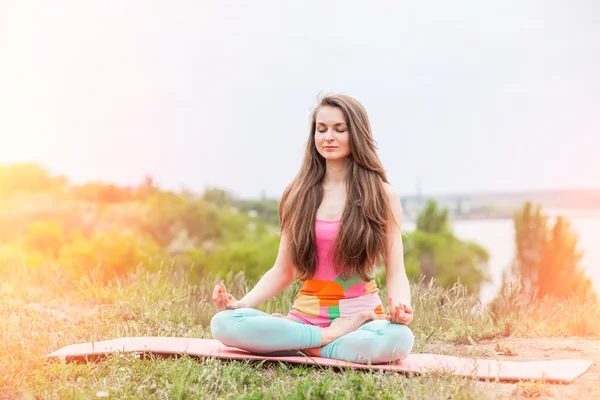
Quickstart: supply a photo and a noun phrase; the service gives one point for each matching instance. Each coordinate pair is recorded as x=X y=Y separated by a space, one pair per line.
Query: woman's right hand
x=224 y=300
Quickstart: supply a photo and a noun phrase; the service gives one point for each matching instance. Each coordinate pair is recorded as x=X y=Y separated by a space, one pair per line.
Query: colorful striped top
x=327 y=296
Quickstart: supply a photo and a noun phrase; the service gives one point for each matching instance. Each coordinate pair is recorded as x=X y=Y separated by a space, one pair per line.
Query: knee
x=401 y=339
x=395 y=343
x=222 y=324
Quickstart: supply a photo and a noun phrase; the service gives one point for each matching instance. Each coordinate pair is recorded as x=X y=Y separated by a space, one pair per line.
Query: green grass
x=40 y=311
x=131 y=377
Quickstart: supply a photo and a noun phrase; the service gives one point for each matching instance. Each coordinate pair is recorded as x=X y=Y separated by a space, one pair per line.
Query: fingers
x=396 y=311
x=223 y=293
x=220 y=297
x=408 y=315
x=407 y=319
x=216 y=297
x=224 y=297
x=399 y=313
x=233 y=304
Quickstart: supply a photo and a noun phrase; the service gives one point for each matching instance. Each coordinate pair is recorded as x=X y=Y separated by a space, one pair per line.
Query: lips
x=330 y=147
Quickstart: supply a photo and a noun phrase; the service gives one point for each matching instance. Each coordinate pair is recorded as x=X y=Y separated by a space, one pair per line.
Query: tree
x=432 y=251
x=268 y=210
x=99 y=192
x=530 y=233
x=433 y=220
x=162 y=216
x=28 y=178
x=147 y=188
x=445 y=257
x=547 y=260
x=219 y=197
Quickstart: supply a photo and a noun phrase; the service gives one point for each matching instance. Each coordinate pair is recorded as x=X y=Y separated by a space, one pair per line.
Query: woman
x=339 y=217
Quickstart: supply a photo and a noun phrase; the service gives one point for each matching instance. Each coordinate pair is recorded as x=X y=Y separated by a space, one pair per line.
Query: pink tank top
x=327 y=296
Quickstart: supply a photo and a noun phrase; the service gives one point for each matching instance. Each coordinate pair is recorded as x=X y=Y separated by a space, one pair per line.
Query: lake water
x=497 y=237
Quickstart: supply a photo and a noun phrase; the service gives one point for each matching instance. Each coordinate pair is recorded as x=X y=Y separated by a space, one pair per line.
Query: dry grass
x=42 y=311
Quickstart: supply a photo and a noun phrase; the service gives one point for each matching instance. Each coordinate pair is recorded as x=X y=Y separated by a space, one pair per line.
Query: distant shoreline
x=502 y=205
x=593 y=213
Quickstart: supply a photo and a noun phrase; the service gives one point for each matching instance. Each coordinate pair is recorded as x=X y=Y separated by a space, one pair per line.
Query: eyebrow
x=338 y=124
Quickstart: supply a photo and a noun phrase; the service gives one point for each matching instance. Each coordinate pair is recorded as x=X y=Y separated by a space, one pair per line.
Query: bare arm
x=274 y=280
x=398 y=286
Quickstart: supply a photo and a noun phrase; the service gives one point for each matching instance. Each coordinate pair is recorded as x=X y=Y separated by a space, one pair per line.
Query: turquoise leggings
x=375 y=342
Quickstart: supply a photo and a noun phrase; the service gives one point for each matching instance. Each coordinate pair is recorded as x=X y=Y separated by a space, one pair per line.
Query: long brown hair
x=362 y=238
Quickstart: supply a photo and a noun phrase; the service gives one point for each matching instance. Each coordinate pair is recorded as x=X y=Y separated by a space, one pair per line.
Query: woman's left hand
x=399 y=313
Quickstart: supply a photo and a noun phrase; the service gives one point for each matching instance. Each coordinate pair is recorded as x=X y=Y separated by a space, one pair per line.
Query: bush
x=252 y=257
x=45 y=237
x=113 y=253
x=434 y=251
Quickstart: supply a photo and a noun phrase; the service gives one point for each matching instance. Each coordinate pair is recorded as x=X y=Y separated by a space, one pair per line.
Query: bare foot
x=313 y=352
x=341 y=326
x=277 y=315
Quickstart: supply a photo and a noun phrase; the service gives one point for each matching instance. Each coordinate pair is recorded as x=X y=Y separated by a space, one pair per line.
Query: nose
x=329 y=134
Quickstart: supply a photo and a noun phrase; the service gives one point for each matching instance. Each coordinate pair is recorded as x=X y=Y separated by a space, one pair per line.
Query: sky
x=463 y=97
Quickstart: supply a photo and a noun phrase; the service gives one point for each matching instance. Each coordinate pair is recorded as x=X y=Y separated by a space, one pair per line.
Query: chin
x=334 y=157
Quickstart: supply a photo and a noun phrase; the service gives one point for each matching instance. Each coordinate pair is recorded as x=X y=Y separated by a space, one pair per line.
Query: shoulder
x=392 y=193
x=394 y=199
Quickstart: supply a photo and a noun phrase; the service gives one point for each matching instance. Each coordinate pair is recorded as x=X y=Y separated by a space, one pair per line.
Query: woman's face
x=331 y=134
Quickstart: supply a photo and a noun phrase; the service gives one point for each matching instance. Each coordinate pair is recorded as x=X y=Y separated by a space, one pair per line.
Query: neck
x=336 y=171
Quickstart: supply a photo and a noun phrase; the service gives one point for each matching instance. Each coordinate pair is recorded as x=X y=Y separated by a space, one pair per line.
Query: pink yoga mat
x=557 y=371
